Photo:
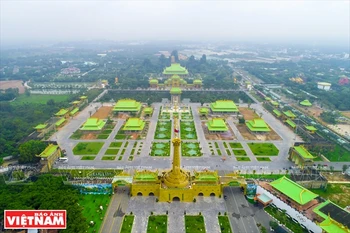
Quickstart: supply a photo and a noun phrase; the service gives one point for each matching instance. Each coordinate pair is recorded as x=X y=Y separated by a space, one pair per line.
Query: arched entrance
x=200 y=194
x=212 y=194
x=176 y=199
x=139 y=194
x=151 y=194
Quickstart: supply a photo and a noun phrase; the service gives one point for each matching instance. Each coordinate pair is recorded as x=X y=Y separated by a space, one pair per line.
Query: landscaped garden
x=194 y=224
x=163 y=130
x=186 y=116
x=108 y=157
x=191 y=149
x=87 y=148
x=243 y=159
x=239 y=152
x=187 y=130
x=88 y=157
x=235 y=145
x=268 y=149
x=160 y=149
x=127 y=224
x=88 y=135
x=263 y=159
x=92 y=211
x=224 y=224
x=157 y=224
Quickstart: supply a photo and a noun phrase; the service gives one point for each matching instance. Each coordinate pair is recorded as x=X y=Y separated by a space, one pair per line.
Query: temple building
x=74 y=111
x=305 y=103
x=60 y=122
x=93 y=124
x=223 y=106
x=275 y=103
x=203 y=111
x=153 y=83
x=175 y=69
x=134 y=124
x=49 y=156
x=40 y=128
x=277 y=113
x=290 y=114
x=311 y=129
x=217 y=125
x=127 y=105
x=148 y=111
x=257 y=126
x=197 y=83
x=175 y=95
x=62 y=113
x=301 y=156
x=291 y=123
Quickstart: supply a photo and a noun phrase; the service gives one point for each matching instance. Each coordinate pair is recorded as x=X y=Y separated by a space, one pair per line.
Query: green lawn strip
x=87 y=148
x=338 y=154
x=110 y=151
x=116 y=144
x=123 y=152
x=188 y=151
x=157 y=224
x=160 y=149
x=133 y=151
x=235 y=145
x=243 y=159
x=131 y=158
x=39 y=99
x=120 y=157
x=337 y=193
x=88 y=157
x=126 y=144
x=228 y=152
x=107 y=131
x=268 y=149
x=76 y=135
x=219 y=152
x=108 y=157
x=120 y=135
x=216 y=145
x=225 y=145
x=263 y=159
x=127 y=224
x=224 y=224
x=194 y=224
x=102 y=136
x=92 y=212
x=239 y=152
x=283 y=218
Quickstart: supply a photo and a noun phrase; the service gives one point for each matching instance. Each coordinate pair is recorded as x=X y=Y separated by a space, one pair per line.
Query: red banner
x=35 y=219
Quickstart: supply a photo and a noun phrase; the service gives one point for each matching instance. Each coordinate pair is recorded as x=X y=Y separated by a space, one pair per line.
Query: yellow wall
x=145 y=189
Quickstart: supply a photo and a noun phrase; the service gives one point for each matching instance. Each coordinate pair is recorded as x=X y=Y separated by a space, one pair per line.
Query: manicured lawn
x=116 y=144
x=88 y=157
x=157 y=224
x=108 y=157
x=92 y=212
x=163 y=130
x=87 y=148
x=263 y=159
x=194 y=224
x=112 y=151
x=224 y=224
x=39 y=99
x=338 y=154
x=188 y=130
x=235 y=145
x=228 y=152
x=190 y=149
x=120 y=135
x=243 y=159
x=239 y=152
x=76 y=135
x=338 y=193
x=107 y=131
x=127 y=224
x=263 y=148
x=120 y=157
x=160 y=149
x=102 y=136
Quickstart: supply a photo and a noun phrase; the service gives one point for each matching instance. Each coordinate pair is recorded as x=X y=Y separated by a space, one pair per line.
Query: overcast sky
x=261 y=21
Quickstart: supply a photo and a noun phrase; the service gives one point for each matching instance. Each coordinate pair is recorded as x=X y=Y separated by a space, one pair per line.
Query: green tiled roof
x=127 y=105
x=278 y=113
x=304 y=152
x=291 y=123
x=217 y=124
x=203 y=110
x=197 y=81
x=267 y=98
x=311 y=128
x=223 y=106
x=175 y=68
x=148 y=110
x=289 y=114
x=331 y=226
x=76 y=102
x=49 y=150
x=74 y=111
x=62 y=112
x=60 y=122
x=93 y=124
x=293 y=190
x=175 y=90
x=40 y=126
x=83 y=97
x=306 y=103
x=257 y=125
x=175 y=77
x=153 y=81
x=274 y=103
x=134 y=124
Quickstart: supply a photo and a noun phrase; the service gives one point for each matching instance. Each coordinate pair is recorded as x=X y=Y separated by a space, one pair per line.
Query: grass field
x=243 y=159
x=263 y=159
x=338 y=154
x=224 y=224
x=92 y=212
x=235 y=145
x=88 y=157
x=116 y=144
x=194 y=224
x=157 y=224
x=108 y=157
x=127 y=224
x=263 y=149
x=111 y=151
x=239 y=152
x=39 y=99
x=87 y=148
x=337 y=193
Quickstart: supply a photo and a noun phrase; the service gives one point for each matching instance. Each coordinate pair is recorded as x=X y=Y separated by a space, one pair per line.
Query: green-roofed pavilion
x=134 y=124
x=49 y=150
x=277 y=113
x=153 y=81
x=74 y=111
x=257 y=125
x=217 y=125
x=127 y=105
x=290 y=114
x=305 y=103
x=294 y=191
x=49 y=156
x=61 y=112
x=148 y=111
x=203 y=111
x=301 y=156
x=175 y=68
x=291 y=123
x=267 y=98
x=311 y=128
x=76 y=102
x=223 y=106
x=274 y=103
x=175 y=91
x=93 y=124
x=40 y=127
x=83 y=97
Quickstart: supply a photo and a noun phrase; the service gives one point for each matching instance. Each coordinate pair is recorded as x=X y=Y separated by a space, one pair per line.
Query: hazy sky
x=264 y=21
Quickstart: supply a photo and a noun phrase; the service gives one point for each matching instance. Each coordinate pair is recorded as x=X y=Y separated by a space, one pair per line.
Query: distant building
x=70 y=70
x=324 y=86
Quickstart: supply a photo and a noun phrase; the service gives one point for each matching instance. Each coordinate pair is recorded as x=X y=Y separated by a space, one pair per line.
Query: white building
x=324 y=86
